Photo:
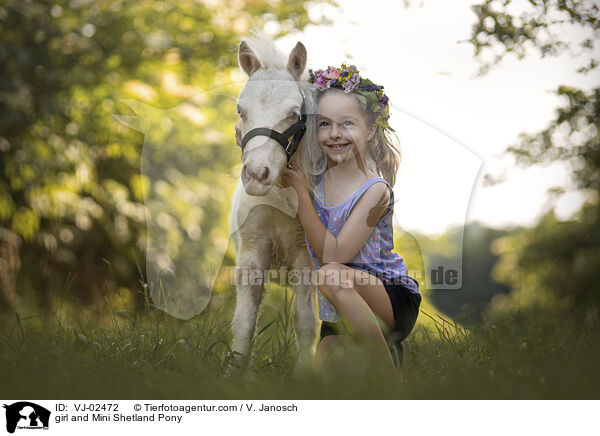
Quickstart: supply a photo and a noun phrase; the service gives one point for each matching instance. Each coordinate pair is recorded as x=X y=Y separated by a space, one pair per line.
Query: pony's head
x=272 y=98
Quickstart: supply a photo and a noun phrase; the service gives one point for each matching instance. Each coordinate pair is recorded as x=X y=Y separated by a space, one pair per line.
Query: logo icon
x=26 y=415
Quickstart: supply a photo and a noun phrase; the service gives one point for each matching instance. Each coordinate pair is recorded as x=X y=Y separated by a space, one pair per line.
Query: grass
x=70 y=354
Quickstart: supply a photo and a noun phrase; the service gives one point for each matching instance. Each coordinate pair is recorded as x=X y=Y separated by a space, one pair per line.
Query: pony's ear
x=247 y=59
x=297 y=60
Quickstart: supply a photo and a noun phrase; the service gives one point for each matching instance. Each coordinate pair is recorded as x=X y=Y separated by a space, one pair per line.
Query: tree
x=555 y=260
x=573 y=134
x=478 y=288
x=70 y=187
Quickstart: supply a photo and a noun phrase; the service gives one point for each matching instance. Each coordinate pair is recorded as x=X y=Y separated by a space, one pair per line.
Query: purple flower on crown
x=320 y=79
x=320 y=82
x=352 y=84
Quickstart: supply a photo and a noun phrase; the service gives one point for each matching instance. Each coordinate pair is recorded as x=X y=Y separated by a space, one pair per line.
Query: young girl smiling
x=346 y=213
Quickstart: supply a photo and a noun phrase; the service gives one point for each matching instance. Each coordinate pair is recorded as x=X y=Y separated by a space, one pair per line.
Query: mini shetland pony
x=265 y=230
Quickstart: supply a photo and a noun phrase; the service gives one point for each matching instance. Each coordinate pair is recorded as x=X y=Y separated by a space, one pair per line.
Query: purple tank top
x=375 y=257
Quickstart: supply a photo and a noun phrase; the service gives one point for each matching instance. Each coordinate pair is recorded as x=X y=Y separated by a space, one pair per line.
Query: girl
x=346 y=213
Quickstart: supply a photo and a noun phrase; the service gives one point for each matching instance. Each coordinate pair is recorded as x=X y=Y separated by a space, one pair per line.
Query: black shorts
x=405 y=306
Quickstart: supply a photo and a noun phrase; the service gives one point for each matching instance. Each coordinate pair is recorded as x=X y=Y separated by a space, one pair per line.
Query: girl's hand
x=295 y=178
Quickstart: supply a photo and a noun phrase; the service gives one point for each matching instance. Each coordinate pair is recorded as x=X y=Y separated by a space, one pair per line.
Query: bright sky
x=451 y=124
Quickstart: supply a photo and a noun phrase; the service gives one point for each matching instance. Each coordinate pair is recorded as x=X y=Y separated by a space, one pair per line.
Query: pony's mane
x=264 y=48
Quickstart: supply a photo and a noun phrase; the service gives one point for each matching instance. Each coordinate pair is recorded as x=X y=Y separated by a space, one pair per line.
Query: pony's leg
x=305 y=316
x=249 y=292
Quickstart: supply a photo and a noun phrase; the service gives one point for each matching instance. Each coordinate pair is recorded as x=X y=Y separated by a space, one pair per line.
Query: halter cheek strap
x=288 y=139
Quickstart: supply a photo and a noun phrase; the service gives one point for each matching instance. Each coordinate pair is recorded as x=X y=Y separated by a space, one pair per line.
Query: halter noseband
x=288 y=139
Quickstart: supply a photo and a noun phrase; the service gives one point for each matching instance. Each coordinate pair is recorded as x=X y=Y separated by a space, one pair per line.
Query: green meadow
x=71 y=354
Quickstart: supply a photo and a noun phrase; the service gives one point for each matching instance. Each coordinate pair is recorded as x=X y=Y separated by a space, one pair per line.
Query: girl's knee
x=327 y=272
x=334 y=277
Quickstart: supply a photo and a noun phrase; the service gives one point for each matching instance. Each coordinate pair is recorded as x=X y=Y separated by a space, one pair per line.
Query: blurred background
x=72 y=219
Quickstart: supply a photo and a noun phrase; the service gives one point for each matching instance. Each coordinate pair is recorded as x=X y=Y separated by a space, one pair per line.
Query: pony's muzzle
x=257 y=178
x=260 y=173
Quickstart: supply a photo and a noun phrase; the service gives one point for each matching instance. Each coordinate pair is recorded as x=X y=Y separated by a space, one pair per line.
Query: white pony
x=265 y=230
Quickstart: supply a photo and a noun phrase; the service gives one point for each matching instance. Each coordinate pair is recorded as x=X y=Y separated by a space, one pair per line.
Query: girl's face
x=342 y=129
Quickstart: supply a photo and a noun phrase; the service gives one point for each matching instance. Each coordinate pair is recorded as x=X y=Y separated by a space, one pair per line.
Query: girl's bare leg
x=360 y=301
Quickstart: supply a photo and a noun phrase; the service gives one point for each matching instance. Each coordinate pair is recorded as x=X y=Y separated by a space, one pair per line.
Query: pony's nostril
x=265 y=174
x=252 y=172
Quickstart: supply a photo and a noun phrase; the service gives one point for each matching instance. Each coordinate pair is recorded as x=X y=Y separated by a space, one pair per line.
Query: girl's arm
x=367 y=211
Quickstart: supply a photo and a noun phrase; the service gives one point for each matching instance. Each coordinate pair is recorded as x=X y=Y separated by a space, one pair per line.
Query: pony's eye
x=293 y=115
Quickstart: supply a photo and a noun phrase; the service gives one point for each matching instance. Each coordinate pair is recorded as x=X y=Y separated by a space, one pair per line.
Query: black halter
x=289 y=139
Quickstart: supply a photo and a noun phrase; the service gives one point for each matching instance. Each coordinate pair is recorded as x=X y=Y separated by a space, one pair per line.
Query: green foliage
x=553 y=264
x=572 y=136
x=70 y=182
x=508 y=26
x=469 y=303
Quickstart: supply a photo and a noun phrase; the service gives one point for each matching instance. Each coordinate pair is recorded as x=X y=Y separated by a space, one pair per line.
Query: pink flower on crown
x=332 y=73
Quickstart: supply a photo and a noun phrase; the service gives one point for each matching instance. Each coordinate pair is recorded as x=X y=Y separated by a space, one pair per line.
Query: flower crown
x=346 y=77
